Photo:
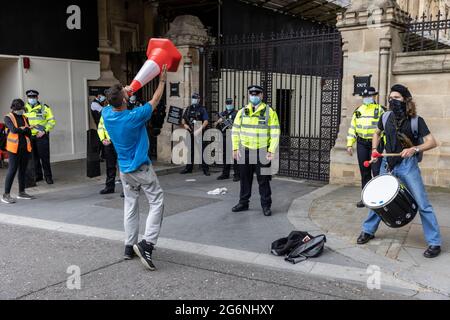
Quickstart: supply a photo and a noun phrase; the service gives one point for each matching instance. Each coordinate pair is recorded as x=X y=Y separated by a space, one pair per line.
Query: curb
x=331 y=272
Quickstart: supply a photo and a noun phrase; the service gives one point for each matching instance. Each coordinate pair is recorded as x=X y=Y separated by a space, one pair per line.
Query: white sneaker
x=6 y=198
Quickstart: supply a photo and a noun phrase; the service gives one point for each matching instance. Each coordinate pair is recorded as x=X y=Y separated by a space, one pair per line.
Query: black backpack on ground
x=299 y=246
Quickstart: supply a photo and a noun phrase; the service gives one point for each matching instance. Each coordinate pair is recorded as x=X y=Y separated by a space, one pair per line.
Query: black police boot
x=267 y=212
x=360 y=205
x=49 y=180
x=107 y=191
x=206 y=173
x=186 y=171
x=432 y=252
x=365 y=238
x=240 y=208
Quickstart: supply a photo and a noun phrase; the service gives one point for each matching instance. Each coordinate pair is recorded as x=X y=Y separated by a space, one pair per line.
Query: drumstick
x=379 y=155
x=382 y=155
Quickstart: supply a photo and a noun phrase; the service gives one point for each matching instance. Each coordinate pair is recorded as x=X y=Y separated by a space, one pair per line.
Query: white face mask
x=195 y=101
x=19 y=112
x=32 y=101
x=368 y=100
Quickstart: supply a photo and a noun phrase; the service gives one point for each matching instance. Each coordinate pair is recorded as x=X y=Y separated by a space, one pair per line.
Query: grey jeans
x=144 y=179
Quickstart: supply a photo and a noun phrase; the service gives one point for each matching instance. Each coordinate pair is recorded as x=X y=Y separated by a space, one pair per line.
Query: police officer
x=195 y=120
x=134 y=102
x=225 y=123
x=256 y=136
x=42 y=122
x=97 y=107
x=363 y=126
x=110 y=157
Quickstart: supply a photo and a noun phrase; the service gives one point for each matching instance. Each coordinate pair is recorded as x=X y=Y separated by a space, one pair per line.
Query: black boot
x=432 y=252
x=186 y=171
x=365 y=238
x=107 y=191
x=240 y=208
x=267 y=212
x=223 y=177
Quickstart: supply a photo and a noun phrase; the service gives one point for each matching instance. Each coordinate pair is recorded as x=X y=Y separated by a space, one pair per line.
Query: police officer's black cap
x=32 y=93
x=404 y=91
x=369 y=92
x=255 y=89
x=195 y=96
x=229 y=101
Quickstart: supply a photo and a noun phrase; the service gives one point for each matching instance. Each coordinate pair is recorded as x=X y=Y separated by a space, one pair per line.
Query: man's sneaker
x=129 y=253
x=144 y=251
x=7 y=199
x=25 y=196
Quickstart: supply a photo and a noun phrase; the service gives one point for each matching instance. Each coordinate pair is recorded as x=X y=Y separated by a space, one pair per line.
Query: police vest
x=102 y=132
x=40 y=117
x=12 y=142
x=194 y=114
x=256 y=129
x=364 y=123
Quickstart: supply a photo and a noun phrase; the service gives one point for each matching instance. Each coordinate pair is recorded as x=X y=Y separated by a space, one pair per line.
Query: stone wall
x=378 y=51
x=427 y=75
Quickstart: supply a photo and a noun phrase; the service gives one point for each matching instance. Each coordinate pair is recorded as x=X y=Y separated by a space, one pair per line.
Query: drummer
x=399 y=135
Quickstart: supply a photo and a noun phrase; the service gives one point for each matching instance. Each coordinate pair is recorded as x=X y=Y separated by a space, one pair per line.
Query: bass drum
x=391 y=200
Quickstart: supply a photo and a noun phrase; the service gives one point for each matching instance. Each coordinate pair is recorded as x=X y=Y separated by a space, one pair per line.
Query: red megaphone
x=160 y=52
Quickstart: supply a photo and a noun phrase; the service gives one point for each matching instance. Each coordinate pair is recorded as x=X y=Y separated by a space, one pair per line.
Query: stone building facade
x=416 y=8
x=378 y=51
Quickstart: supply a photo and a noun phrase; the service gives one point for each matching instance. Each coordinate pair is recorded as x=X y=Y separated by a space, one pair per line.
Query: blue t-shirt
x=128 y=133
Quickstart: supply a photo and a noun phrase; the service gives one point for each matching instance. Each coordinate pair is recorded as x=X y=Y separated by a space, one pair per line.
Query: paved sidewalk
x=200 y=224
x=332 y=209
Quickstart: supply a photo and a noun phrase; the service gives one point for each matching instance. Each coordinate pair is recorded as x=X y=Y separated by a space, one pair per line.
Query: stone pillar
x=189 y=35
x=107 y=78
x=371 y=37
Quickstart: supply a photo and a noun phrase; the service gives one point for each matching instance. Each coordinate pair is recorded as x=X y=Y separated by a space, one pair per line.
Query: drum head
x=380 y=191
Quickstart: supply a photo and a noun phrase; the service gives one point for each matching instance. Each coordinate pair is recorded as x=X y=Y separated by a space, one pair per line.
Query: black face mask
x=398 y=107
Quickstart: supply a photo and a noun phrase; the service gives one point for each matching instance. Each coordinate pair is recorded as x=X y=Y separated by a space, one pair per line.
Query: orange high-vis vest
x=12 y=142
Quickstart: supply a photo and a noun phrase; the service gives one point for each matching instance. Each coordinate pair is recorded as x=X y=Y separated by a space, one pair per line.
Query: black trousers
x=248 y=168
x=227 y=155
x=41 y=156
x=111 y=166
x=17 y=162
x=190 y=167
x=364 y=150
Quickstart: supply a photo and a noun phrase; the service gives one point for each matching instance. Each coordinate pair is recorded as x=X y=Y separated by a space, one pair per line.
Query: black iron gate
x=302 y=75
x=135 y=61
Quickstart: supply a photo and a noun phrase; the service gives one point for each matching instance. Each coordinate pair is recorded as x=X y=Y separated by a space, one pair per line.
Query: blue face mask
x=32 y=101
x=230 y=107
x=255 y=100
x=368 y=100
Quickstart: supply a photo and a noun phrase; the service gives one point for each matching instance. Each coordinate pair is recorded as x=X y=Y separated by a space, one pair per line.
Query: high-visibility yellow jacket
x=364 y=123
x=102 y=132
x=41 y=117
x=256 y=129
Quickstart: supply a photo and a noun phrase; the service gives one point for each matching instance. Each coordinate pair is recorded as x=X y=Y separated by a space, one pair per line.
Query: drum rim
x=390 y=201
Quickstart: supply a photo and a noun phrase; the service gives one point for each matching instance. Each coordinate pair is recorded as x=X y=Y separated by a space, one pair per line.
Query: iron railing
x=301 y=72
x=427 y=32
